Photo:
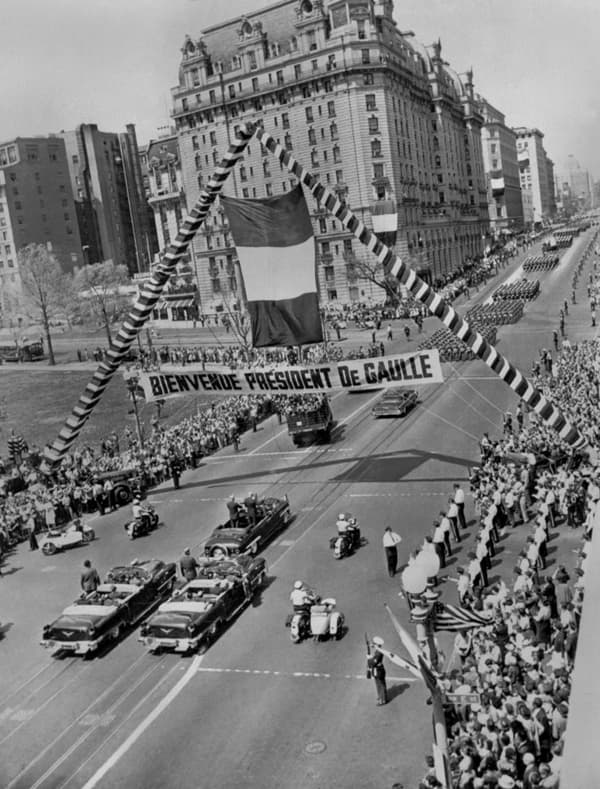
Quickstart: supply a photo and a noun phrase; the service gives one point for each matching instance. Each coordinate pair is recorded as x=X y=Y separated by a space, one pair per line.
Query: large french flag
x=276 y=249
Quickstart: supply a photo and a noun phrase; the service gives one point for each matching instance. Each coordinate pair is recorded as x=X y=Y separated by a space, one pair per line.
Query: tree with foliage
x=41 y=282
x=99 y=285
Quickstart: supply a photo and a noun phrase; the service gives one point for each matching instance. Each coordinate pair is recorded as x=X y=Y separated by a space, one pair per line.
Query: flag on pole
x=276 y=249
x=454 y=618
x=399 y=661
x=419 y=662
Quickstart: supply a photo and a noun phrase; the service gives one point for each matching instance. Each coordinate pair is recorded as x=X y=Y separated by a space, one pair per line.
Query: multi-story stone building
x=36 y=206
x=379 y=118
x=536 y=173
x=114 y=219
x=505 y=205
x=162 y=165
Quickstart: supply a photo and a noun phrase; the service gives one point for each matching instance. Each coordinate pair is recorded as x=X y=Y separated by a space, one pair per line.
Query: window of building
x=212 y=96
x=373 y=125
x=285 y=120
x=378 y=171
x=288 y=142
x=365 y=56
x=333 y=131
x=493 y=148
x=322 y=225
x=231 y=91
x=297 y=71
x=494 y=164
x=245 y=192
x=331 y=109
x=18 y=205
x=375 y=149
x=339 y=176
x=337 y=154
x=309 y=115
x=195 y=144
x=66 y=216
x=279 y=77
x=369 y=79
x=266 y=169
x=330 y=62
x=312 y=40
x=312 y=137
x=284 y=186
x=306 y=92
x=243 y=173
x=184 y=105
x=329 y=272
x=62 y=188
x=371 y=102
x=75 y=159
x=314 y=158
x=315 y=65
x=213 y=138
x=198 y=161
x=332 y=294
x=269 y=190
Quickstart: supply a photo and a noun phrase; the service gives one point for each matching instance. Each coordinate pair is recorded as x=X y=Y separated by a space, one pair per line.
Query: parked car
x=395 y=402
x=195 y=615
x=76 y=533
x=128 y=594
x=229 y=540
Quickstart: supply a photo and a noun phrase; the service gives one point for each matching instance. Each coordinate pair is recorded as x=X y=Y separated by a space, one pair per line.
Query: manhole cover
x=315 y=747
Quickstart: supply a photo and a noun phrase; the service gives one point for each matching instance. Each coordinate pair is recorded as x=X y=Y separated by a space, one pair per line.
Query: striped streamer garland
x=147 y=300
x=421 y=291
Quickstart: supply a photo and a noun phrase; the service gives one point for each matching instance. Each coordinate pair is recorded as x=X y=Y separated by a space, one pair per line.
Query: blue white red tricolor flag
x=276 y=249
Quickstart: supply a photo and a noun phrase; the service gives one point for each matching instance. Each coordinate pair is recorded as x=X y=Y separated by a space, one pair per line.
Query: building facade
x=499 y=142
x=535 y=172
x=112 y=211
x=36 y=207
x=380 y=119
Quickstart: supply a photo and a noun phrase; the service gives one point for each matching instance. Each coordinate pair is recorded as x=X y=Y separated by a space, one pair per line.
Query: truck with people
x=309 y=417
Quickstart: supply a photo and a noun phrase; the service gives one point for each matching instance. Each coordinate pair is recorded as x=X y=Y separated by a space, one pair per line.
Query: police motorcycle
x=145 y=520
x=348 y=537
x=313 y=617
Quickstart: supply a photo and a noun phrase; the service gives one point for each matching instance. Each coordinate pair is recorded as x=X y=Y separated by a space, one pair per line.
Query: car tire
x=122 y=495
x=49 y=549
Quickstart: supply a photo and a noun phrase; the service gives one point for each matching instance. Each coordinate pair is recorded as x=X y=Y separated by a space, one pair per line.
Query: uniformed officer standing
x=376 y=669
x=234 y=511
x=250 y=503
x=188 y=566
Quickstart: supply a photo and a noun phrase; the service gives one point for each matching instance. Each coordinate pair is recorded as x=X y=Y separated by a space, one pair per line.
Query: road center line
x=294 y=674
x=143 y=725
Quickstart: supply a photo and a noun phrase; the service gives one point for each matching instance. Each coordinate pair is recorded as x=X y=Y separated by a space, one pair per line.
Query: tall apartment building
x=378 y=117
x=113 y=215
x=36 y=206
x=505 y=205
x=579 y=182
x=536 y=173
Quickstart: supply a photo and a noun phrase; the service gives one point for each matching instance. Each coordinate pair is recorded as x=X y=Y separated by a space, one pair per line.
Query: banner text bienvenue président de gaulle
x=414 y=369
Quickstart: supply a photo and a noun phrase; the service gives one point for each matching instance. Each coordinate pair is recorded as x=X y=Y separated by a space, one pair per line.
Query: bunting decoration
x=453 y=618
x=422 y=292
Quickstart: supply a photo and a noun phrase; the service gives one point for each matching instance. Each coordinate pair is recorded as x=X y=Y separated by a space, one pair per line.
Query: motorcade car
x=195 y=614
x=395 y=402
x=228 y=539
x=76 y=533
x=127 y=595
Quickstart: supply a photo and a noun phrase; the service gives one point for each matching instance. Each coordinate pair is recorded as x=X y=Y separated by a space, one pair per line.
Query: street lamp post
x=418 y=581
x=132 y=380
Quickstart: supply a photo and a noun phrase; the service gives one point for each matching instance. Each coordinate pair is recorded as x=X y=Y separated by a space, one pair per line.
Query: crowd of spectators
x=35 y=498
x=530 y=485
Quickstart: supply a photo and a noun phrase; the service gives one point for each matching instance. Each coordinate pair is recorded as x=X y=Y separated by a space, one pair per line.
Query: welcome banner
x=376 y=372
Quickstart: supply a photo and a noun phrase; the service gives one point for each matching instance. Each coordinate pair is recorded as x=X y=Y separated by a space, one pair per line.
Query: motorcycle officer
x=140 y=515
x=302 y=598
x=347 y=528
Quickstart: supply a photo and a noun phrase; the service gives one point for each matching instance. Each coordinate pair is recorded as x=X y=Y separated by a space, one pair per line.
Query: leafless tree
x=100 y=285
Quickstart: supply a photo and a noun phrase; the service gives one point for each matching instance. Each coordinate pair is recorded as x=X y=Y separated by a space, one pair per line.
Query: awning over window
x=188 y=301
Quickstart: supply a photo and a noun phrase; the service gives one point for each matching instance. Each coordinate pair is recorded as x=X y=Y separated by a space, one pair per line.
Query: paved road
x=256 y=710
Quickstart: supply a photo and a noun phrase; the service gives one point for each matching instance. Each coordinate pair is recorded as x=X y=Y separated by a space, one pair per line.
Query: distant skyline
x=112 y=62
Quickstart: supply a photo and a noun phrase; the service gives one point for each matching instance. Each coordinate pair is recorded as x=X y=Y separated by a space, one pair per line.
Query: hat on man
x=187 y=551
x=379 y=642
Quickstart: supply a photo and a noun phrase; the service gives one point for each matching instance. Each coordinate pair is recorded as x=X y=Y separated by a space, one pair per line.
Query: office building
x=36 y=207
x=505 y=204
x=114 y=219
x=536 y=173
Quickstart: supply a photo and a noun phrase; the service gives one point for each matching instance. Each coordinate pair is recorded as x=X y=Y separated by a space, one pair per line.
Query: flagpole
x=422 y=292
x=147 y=299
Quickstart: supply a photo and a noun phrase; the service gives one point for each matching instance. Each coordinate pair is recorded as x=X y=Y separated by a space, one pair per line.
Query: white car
x=59 y=539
